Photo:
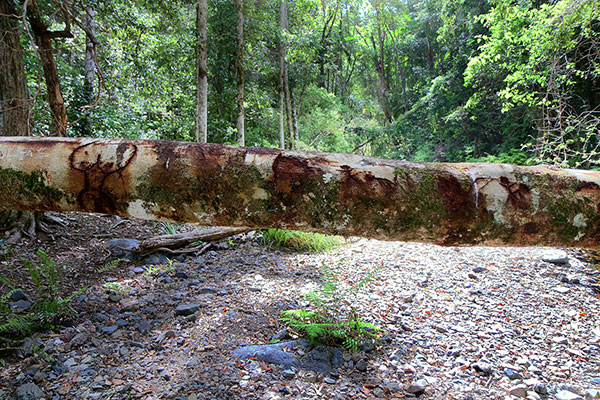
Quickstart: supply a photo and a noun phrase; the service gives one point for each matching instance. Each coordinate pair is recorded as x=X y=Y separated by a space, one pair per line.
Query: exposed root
x=25 y=224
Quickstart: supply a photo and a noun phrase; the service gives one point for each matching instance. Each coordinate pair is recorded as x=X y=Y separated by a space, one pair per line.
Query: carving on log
x=331 y=193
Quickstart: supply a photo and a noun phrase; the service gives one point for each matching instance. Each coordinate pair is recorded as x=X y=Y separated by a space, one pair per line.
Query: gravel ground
x=459 y=323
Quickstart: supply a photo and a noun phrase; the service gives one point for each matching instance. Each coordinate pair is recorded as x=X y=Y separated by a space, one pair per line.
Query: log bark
x=183 y=239
x=217 y=185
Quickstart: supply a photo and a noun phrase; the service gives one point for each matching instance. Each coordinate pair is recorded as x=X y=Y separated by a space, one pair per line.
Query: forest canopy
x=424 y=80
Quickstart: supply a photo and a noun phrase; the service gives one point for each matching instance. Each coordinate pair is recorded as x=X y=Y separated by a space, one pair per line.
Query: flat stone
x=288 y=373
x=17 y=295
x=561 y=289
x=29 y=391
x=20 y=305
x=560 y=340
x=417 y=387
x=187 y=309
x=518 y=390
x=478 y=269
x=322 y=359
x=144 y=326
x=483 y=367
x=555 y=257
x=512 y=374
x=567 y=395
x=274 y=353
x=109 y=330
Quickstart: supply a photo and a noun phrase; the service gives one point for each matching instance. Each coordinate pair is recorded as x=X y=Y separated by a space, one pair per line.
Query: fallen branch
x=179 y=240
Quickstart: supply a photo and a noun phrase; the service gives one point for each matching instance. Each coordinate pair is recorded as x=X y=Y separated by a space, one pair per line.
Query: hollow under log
x=466 y=204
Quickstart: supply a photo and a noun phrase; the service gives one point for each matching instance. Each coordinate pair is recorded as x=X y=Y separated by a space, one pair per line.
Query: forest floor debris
x=459 y=322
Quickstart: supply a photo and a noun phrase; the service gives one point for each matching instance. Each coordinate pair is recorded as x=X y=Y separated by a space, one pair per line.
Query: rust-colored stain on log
x=97 y=166
x=460 y=203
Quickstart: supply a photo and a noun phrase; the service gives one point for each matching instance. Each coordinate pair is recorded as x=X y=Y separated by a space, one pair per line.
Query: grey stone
x=138 y=270
x=483 y=367
x=322 y=359
x=187 y=309
x=329 y=380
x=478 y=269
x=555 y=257
x=18 y=295
x=165 y=335
x=20 y=305
x=109 y=330
x=144 y=326
x=124 y=248
x=596 y=380
x=156 y=258
x=518 y=390
x=31 y=346
x=567 y=395
x=288 y=373
x=181 y=275
x=361 y=365
x=417 y=387
x=273 y=353
x=512 y=374
x=29 y=391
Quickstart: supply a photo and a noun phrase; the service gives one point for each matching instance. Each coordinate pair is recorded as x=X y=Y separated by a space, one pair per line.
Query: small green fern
x=49 y=309
x=325 y=321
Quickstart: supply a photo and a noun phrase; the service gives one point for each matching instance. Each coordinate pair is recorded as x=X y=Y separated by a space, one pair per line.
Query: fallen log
x=183 y=239
x=342 y=194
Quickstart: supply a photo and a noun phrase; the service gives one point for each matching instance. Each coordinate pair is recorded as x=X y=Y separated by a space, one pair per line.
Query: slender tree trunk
x=201 y=76
x=295 y=120
x=282 y=53
x=344 y=194
x=240 y=72
x=89 y=67
x=283 y=21
x=58 y=111
x=14 y=96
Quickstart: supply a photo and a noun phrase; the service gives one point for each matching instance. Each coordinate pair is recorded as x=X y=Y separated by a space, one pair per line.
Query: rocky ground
x=458 y=323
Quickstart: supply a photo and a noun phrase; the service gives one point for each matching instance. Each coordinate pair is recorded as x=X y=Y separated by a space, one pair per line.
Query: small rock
x=512 y=374
x=138 y=270
x=472 y=276
x=165 y=335
x=417 y=387
x=592 y=394
x=17 y=295
x=20 y=305
x=29 y=391
x=311 y=377
x=144 y=326
x=518 y=390
x=555 y=257
x=187 y=309
x=531 y=395
x=109 y=330
x=560 y=340
x=483 y=367
x=288 y=373
x=567 y=395
x=478 y=269
x=561 y=289
x=129 y=305
x=361 y=365
x=329 y=380
x=596 y=380
x=181 y=275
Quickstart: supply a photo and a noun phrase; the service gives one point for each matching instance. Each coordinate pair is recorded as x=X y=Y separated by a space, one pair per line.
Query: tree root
x=19 y=224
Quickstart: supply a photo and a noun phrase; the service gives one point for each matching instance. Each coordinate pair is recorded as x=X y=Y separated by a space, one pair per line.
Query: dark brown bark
x=14 y=96
x=44 y=36
x=219 y=185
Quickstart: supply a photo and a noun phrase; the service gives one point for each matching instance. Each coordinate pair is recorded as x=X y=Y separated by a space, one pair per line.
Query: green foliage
x=301 y=241
x=156 y=269
x=109 y=266
x=331 y=317
x=49 y=308
x=168 y=228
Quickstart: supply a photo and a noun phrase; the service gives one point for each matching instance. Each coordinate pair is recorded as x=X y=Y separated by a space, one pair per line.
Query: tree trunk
x=58 y=111
x=14 y=96
x=89 y=67
x=239 y=64
x=286 y=82
x=221 y=185
x=282 y=52
x=201 y=76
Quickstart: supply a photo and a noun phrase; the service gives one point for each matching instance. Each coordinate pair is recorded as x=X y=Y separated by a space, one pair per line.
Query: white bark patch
x=580 y=221
x=139 y=209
